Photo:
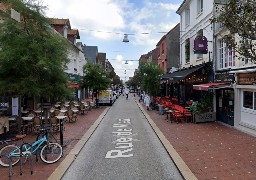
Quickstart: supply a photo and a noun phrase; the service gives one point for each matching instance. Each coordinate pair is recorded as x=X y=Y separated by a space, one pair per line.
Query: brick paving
x=72 y=134
x=211 y=150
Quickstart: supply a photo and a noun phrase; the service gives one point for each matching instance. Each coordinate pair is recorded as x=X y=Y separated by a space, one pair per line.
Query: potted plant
x=202 y=109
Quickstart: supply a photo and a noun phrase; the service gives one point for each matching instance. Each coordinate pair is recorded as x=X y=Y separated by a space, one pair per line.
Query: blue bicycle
x=50 y=152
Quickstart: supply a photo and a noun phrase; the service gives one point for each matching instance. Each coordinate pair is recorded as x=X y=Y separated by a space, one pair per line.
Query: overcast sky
x=103 y=23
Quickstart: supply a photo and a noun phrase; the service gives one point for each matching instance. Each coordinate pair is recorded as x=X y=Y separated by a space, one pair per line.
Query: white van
x=106 y=97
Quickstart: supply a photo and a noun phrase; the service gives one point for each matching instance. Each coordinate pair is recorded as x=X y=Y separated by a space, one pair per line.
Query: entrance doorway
x=225 y=106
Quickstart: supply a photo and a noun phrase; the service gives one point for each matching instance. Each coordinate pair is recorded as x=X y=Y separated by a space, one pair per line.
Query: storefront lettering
x=123 y=144
x=247 y=78
x=224 y=77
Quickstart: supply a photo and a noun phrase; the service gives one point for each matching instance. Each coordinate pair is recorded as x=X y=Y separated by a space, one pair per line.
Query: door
x=225 y=106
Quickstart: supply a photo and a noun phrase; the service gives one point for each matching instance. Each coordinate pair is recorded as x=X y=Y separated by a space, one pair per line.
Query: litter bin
x=161 y=109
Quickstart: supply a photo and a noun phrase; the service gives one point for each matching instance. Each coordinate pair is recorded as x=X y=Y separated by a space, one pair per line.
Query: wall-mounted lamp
x=125 y=38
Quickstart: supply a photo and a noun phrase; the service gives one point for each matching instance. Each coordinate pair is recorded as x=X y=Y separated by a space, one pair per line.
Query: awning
x=73 y=85
x=206 y=87
x=180 y=75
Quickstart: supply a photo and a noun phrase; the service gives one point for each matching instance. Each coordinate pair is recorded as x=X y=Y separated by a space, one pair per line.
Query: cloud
x=105 y=21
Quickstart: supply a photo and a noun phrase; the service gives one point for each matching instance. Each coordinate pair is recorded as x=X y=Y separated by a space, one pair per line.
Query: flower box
x=205 y=117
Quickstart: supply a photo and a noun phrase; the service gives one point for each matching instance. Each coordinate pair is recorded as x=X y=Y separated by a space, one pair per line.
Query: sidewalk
x=211 y=150
x=72 y=134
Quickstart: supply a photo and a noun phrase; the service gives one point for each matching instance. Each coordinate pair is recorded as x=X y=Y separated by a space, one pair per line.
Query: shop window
x=248 y=99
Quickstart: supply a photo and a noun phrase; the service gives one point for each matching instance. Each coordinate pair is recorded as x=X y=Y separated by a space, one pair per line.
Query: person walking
x=126 y=92
x=147 y=101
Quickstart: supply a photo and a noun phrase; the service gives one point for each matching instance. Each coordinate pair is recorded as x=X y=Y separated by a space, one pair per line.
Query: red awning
x=206 y=87
x=73 y=85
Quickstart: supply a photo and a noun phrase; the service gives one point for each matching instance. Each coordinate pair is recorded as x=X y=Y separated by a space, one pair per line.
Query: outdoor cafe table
x=60 y=118
x=75 y=110
x=63 y=110
x=169 y=112
x=27 y=118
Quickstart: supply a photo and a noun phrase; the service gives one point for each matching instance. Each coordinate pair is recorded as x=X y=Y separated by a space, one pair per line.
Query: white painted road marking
x=124 y=145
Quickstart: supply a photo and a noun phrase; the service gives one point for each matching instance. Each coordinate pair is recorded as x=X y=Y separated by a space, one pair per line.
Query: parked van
x=106 y=97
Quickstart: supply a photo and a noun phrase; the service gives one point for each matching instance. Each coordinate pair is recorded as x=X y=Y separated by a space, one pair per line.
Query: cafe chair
x=71 y=116
x=26 y=127
x=54 y=124
x=36 y=123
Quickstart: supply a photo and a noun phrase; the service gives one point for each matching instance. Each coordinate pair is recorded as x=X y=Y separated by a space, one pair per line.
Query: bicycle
x=50 y=152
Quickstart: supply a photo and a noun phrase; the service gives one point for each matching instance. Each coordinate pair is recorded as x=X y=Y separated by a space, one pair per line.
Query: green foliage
x=239 y=18
x=150 y=74
x=203 y=105
x=32 y=55
x=95 y=77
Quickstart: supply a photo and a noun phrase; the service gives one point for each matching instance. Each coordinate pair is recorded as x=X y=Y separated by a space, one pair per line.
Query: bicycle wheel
x=51 y=153
x=6 y=155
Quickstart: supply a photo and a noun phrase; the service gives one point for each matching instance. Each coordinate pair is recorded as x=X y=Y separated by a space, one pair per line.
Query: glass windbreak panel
x=254 y=100
x=248 y=99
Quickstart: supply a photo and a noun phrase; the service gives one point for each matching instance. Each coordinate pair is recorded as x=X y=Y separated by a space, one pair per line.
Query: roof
x=74 y=32
x=3 y=7
x=56 y=21
x=180 y=8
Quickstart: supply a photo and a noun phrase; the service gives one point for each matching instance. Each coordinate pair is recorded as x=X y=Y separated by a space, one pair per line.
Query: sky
x=103 y=23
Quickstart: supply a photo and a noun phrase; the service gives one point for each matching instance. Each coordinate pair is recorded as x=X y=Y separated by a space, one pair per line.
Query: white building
x=74 y=68
x=195 y=18
x=230 y=64
x=234 y=79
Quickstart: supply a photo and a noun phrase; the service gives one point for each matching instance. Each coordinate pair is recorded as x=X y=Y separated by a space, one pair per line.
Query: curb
x=66 y=163
x=178 y=161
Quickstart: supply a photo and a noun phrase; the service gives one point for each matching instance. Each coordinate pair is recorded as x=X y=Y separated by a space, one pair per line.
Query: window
x=226 y=55
x=162 y=48
x=248 y=99
x=199 y=6
x=187 y=17
x=187 y=50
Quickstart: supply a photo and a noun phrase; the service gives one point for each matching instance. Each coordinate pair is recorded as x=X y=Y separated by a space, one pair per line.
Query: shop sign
x=247 y=78
x=200 y=45
x=224 y=77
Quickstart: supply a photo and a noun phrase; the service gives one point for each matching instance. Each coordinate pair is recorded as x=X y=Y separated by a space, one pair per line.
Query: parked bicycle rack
x=26 y=154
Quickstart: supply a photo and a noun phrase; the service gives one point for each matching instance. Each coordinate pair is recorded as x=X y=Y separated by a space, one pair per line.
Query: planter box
x=205 y=117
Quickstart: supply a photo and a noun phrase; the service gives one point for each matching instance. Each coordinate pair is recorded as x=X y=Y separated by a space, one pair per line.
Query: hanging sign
x=200 y=45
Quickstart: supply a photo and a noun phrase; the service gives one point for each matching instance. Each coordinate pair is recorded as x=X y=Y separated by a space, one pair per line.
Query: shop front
x=245 y=114
x=223 y=96
x=180 y=83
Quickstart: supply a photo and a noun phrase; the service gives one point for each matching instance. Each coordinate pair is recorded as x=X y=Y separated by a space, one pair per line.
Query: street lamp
x=126 y=40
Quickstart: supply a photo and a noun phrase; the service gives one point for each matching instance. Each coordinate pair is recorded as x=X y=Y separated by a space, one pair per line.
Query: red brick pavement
x=211 y=150
x=72 y=134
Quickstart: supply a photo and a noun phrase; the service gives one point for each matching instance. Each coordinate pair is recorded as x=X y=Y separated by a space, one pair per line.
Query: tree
x=150 y=74
x=239 y=18
x=32 y=55
x=95 y=78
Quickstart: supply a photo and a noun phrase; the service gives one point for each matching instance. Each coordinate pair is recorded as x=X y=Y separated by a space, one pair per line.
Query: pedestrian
x=126 y=92
x=147 y=101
